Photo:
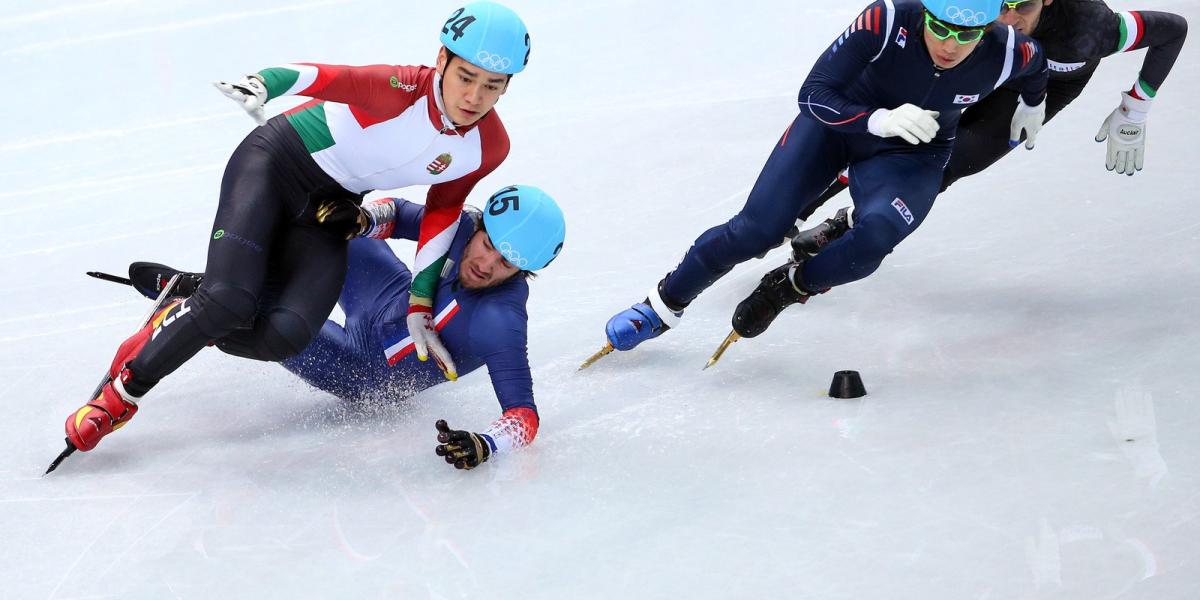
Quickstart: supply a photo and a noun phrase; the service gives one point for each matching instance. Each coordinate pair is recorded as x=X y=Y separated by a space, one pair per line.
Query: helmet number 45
x=499 y=205
x=457 y=25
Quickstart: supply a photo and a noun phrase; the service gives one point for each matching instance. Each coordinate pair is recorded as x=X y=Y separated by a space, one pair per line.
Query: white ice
x=1031 y=427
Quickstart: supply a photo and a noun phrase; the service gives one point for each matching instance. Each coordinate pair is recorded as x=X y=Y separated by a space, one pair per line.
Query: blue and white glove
x=1125 y=130
x=250 y=92
x=1026 y=119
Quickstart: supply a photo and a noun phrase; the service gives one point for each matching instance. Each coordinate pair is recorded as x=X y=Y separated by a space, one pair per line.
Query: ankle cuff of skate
x=795 y=279
x=669 y=317
x=126 y=397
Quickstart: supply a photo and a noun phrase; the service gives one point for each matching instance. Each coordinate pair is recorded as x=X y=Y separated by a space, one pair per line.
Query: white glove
x=250 y=92
x=1028 y=119
x=908 y=121
x=1125 y=130
x=427 y=343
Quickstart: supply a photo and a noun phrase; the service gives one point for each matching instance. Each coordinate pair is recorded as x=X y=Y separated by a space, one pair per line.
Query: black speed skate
x=149 y=279
x=775 y=292
x=782 y=286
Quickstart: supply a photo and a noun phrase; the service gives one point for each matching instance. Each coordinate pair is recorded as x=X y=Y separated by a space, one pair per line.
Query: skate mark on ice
x=23 y=145
x=164 y=27
x=87 y=327
x=62 y=11
x=124 y=180
x=93 y=241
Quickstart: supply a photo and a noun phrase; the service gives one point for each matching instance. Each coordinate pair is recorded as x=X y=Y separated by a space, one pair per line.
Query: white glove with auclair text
x=1125 y=131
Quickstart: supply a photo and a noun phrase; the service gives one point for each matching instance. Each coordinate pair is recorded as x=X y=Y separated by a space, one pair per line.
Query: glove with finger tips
x=250 y=92
x=463 y=449
x=1028 y=120
x=427 y=343
x=1125 y=132
x=909 y=121
x=343 y=218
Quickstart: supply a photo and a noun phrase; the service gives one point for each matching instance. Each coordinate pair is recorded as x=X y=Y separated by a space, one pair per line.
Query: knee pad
x=874 y=238
x=221 y=308
x=284 y=334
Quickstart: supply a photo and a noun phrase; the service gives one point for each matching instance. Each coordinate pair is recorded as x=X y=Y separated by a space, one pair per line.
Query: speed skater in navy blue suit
x=885 y=98
x=480 y=314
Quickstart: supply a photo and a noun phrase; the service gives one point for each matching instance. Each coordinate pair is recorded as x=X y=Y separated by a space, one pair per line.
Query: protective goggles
x=1023 y=7
x=944 y=31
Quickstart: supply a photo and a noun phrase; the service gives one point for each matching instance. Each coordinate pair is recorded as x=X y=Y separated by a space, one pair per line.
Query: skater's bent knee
x=284 y=335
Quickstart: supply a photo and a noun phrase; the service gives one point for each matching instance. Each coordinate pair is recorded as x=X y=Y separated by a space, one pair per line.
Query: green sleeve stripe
x=310 y=124
x=424 y=285
x=278 y=80
x=1146 y=89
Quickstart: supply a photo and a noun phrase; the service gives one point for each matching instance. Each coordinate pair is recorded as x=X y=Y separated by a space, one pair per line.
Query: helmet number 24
x=459 y=26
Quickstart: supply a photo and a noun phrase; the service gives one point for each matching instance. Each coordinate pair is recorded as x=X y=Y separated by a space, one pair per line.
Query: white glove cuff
x=875 y=122
x=1134 y=109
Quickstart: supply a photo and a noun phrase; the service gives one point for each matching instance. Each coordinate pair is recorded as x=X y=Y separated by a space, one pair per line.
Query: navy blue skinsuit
x=478 y=327
x=881 y=61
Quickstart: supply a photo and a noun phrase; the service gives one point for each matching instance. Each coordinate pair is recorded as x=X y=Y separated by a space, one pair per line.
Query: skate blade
x=61 y=457
x=605 y=351
x=729 y=340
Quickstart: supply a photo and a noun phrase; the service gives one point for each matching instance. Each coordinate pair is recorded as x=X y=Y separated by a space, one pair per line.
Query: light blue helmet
x=488 y=35
x=525 y=225
x=964 y=13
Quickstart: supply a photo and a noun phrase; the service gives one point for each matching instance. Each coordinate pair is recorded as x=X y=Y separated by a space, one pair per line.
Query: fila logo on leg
x=902 y=208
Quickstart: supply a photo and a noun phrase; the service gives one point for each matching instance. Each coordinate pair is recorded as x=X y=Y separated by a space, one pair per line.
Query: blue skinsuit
x=881 y=61
x=488 y=328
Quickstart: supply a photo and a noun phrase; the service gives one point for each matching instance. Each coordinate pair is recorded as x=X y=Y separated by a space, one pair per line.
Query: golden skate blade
x=608 y=348
x=729 y=340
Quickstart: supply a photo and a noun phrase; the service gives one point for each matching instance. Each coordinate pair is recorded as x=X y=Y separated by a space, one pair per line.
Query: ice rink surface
x=1031 y=430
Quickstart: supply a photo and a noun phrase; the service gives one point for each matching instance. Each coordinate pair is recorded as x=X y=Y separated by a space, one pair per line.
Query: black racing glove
x=463 y=449
x=343 y=218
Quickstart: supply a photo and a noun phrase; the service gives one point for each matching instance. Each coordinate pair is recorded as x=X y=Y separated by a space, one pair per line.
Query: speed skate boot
x=642 y=321
x=150 y=278
x=783 y=286
x=114 y=405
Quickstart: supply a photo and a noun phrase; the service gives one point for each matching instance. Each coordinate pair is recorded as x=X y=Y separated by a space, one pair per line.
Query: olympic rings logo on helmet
x=492 y=62
x=512 y=256
x=965 y=16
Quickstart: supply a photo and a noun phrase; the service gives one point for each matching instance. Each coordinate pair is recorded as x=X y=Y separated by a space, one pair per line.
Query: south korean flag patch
x=965 y=99
x=902 y=37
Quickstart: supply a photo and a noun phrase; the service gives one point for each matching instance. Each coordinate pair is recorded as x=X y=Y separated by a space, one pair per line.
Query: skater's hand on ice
x=427 y=343
x=463 y=449
x=908 y=121
x=250 y=92
x=1125 y=131
x=1027 y=119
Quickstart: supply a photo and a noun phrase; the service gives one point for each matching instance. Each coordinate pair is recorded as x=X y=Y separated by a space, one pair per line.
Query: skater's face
x=949 y=44
x=1022 y=15
x=482 y=265
x=468 y=91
